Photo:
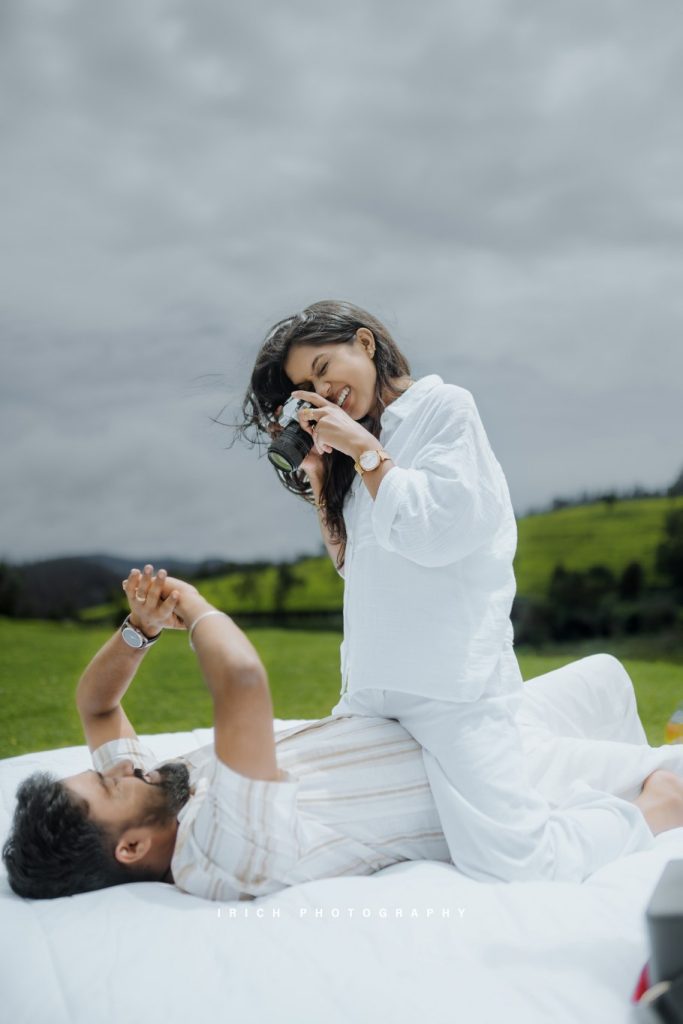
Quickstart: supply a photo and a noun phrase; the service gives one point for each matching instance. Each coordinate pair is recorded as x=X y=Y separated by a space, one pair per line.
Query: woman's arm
x=451 y=499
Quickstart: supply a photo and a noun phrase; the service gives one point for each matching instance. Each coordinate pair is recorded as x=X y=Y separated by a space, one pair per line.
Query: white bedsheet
x=415 y=942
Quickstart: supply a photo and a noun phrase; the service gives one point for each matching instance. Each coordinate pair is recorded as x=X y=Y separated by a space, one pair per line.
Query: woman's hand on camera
x=329 y=426
x=312 y=465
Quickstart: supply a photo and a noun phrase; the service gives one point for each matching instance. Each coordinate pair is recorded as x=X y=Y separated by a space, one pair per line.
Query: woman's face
x=334 y=370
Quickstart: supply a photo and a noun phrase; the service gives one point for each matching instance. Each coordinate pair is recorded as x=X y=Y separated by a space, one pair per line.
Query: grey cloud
x=499 y=182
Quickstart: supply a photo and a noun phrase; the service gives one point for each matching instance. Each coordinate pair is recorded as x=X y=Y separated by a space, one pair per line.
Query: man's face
x=125 y=795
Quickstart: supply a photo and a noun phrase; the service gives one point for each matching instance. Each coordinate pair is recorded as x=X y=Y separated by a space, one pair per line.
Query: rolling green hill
x=577 y=537
x=317 y=587
x=590 y=535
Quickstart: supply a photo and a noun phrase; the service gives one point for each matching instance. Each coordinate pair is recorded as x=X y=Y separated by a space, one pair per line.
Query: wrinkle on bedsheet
x=415 y=941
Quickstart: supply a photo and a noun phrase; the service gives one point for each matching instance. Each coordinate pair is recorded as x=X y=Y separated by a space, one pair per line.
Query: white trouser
x=581 y=722
x=526 y=792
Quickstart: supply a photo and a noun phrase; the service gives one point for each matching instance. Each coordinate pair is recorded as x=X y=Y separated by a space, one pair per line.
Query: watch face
x=132 y=637
x=369 y=460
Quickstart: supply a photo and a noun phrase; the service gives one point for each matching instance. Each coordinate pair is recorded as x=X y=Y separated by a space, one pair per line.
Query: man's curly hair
x=55 y=849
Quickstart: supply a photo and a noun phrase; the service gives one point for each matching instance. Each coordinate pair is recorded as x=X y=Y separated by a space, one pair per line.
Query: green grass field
x=40 y=664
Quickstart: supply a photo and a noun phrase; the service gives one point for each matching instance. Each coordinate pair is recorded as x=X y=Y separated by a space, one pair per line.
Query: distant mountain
x=61 y=587
x=612 y=533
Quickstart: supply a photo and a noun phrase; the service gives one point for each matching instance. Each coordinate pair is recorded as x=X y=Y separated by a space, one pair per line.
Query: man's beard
x=173 y=792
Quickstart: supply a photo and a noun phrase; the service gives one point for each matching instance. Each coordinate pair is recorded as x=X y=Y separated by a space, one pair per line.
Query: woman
x=416 y=514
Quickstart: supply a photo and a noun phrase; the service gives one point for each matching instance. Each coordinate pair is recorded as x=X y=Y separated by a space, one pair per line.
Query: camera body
x=289 y=449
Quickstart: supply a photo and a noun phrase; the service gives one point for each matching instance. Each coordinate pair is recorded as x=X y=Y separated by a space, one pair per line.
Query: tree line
x=579 y=605
x=610 y=498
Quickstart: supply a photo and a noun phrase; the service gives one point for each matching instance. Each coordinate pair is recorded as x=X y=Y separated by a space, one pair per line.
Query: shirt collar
x=405 y=403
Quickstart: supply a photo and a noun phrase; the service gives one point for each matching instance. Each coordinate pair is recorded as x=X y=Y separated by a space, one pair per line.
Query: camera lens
x=290 y=448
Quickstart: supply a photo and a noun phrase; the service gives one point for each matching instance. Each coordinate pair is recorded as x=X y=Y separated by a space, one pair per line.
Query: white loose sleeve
x=125 y=748
x=450 y=500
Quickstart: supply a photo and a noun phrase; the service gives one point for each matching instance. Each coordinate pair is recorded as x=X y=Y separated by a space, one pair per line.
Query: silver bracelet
x=204 y=615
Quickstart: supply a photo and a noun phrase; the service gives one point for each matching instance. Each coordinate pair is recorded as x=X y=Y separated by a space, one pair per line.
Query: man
x=345 y=795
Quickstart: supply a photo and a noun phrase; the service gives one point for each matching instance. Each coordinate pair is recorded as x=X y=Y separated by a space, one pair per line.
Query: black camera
x=289 y=449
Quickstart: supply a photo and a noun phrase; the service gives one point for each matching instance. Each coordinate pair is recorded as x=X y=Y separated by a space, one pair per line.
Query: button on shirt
x=428 y=577
x=355 y=798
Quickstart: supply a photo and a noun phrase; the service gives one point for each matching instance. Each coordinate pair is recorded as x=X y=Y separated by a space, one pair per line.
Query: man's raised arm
x=107 y=677
x=237 y=682
x=232 y=669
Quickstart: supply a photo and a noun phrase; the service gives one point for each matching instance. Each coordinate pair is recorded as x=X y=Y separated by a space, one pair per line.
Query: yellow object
x=674 y=727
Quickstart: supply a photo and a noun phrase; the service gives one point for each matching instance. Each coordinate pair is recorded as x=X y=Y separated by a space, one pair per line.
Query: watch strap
x=129 y=632
x=383 y=456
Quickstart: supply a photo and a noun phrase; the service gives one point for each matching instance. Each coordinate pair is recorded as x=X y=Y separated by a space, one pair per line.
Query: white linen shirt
x=354 y=799
x=428 y=577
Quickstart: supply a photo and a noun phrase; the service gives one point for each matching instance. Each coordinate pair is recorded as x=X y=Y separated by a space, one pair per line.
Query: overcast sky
x=499 y=182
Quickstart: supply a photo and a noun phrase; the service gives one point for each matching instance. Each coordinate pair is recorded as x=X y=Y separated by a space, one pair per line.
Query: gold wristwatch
x=370 y=460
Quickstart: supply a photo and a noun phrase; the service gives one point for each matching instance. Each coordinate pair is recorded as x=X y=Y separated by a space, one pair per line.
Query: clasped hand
x=153 y=600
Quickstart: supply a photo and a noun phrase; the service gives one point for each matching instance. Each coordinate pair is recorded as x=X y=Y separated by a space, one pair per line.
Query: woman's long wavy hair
x=323 y=323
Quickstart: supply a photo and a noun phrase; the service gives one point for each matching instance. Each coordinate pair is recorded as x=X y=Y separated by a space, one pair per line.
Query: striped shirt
x=354 y=798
